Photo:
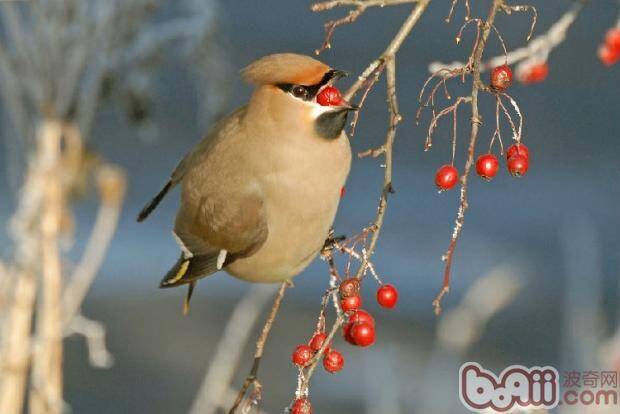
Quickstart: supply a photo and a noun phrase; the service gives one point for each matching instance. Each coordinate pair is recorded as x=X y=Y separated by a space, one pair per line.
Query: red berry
x=501 y=78
x=317 y=341
x=446 y=177
x=387 y=296
x=361 y=315
x=333 y=361
x=342 y=191
x=362 y=334
x=518 y=165
x=487 y=166
x=351 y=303
x=612 y=38
x=607 y=55
x=358 y=316
x=349 y=287
x=534 y=73
x=302 y=355
x=328 y=96
x=301 y=406
x=517 y=149
x=346 y=333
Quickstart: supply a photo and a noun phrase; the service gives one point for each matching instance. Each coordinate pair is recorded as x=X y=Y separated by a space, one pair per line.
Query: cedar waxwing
x=259 y=194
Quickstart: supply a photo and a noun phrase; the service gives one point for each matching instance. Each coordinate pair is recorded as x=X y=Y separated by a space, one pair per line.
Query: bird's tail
x=144 y=213
x=187 y=270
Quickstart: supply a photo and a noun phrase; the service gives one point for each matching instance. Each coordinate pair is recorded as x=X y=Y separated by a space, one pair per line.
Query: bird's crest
x=285 y=68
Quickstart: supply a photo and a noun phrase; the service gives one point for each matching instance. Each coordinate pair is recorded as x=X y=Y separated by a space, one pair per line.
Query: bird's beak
x=332 y=76
x=338 y=74
x=349 y=107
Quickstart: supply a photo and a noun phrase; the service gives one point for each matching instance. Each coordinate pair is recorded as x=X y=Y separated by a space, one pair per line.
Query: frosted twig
x=389 y=57
x=252 y=378
x=94 y=333
x=359 y=7
x=57 y=58
x=111 y=182
x=215 y=389
x=475 y=127
x=537 y=50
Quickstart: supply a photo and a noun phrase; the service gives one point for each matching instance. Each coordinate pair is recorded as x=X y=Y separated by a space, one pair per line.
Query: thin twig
x=252 y=378
x=388 y=58
x=216 y=383
x=476 y=121
x=359 y=7
x=111 y=183
x=537 y=50
x=453 y=6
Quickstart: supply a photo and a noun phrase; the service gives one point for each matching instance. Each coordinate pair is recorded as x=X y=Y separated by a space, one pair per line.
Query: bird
x=259 y=193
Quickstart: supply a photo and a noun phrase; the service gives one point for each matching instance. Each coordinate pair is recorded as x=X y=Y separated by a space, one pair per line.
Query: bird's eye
x=300 y=92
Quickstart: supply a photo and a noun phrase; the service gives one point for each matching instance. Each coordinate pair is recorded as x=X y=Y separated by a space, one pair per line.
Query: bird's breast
x=301 y=194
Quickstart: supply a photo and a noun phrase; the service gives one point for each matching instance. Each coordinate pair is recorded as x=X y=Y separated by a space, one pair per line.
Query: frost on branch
x=59 y=62
x=532 y=55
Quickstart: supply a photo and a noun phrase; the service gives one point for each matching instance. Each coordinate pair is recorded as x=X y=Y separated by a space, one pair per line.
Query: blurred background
x=535 y=275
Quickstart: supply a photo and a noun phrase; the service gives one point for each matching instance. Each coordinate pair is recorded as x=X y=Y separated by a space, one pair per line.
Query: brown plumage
x=260 y=192
x=285 y=68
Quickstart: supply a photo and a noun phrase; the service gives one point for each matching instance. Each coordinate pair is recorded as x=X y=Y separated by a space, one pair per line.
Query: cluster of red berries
x=329 y=96
x=359 y=330
x=350 y=299
x=360 y=327
x=517 y=159
x=487 y=165
x=517 y=162
x=609 y=51
x=333 y=361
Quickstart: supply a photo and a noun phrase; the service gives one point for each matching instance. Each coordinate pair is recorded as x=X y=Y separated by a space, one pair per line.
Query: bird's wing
x=233 y=222
x=214 y=234
x=190 y=159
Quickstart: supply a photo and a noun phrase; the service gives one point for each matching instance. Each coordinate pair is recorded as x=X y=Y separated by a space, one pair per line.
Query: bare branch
x=252 y=378
x=475 y=126
x=94 y=333
x=111 y=182
x=521 y=8
x=360 y=7
x=453 y=6
x=537 y=50
x=216 y=382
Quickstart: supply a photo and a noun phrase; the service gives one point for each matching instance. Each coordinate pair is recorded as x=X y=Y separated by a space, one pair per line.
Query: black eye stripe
x=312 y=90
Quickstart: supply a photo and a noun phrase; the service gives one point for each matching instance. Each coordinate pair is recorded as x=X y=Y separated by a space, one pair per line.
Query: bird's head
x=298 y=90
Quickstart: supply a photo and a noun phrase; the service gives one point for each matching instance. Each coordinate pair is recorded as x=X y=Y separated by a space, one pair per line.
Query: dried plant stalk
x=17 y=343
x=46 y=395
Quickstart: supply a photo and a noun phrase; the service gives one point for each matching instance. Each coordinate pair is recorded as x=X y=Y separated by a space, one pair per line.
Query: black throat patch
x=330 y=124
